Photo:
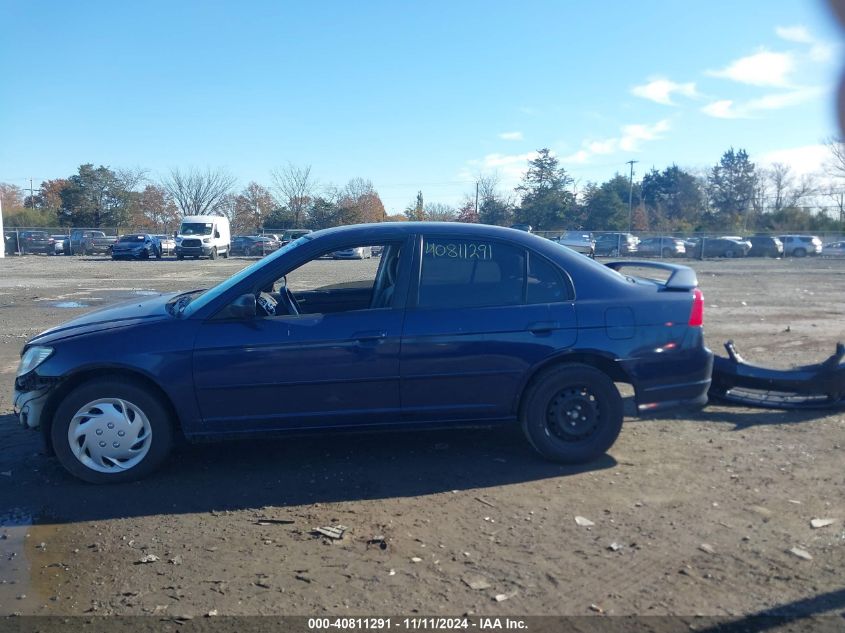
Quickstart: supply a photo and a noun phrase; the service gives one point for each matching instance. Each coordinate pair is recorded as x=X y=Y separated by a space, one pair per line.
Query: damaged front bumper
x=31 y=395
x=819 y=386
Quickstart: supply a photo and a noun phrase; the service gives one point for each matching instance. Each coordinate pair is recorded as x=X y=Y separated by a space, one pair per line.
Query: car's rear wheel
x=800 y=252
x=110 y=431
x=226 y=252
x=571 y=413
x=729 y=253
x=614 y=252
x=180 y=256
x=667 y=252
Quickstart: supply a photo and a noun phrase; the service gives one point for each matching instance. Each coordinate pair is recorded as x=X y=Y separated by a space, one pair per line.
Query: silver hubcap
x=109 y=435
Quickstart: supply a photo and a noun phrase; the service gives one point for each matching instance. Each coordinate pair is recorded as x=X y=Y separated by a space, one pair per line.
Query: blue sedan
x=455 y=324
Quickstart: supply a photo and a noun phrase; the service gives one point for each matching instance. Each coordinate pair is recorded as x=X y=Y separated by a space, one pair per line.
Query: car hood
x=118 y=315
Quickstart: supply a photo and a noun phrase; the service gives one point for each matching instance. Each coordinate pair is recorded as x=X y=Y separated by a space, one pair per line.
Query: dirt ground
x=692 y=513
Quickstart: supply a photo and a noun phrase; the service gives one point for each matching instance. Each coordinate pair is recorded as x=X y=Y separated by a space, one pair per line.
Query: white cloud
x=660 y=90
x=797 y=33
x=511 y=136
x=722 y=109
x=765 y=68
x=803 y=160
x=819 y=51
x=630 y=139
x=729 y=109
x=492 y=161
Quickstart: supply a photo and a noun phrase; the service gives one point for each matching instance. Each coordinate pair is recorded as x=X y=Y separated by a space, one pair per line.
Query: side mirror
x=243 y=306
x=217 y=234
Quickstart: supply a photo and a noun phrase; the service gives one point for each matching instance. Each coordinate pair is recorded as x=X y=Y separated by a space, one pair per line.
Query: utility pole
x=476 y=201
x=631 y=196
x=31 y=196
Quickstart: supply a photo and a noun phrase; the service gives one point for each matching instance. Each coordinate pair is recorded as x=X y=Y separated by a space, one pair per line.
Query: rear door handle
x=543 y=327
x=369 y=336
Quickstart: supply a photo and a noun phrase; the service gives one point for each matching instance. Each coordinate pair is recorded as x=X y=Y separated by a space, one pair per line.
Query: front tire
x=571 y=413
x=799 y=252
x=110 y=431
x=213 y=254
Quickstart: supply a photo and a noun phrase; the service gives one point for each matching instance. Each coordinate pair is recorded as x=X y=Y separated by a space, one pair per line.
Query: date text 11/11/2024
x=417 y=623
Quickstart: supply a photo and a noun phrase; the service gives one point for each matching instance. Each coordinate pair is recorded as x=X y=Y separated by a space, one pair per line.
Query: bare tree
x=197 y=192
x=780 y=176
x=439 y=212
x=836 y=165
x=295 y=188
x=131 y=177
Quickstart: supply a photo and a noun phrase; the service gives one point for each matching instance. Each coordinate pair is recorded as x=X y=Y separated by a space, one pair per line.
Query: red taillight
x=696 y=315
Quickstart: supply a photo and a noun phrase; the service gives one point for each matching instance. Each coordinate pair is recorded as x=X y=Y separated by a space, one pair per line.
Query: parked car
x=719 y=247
x=523 y=227
x=356 y=252
x=36 y=242
x=87 y=242
x=293 y=234
x=254 y=245
x=579 y=241
x=801 y=245
x=167 y=243
x=136 y=246
x=834 y=249
x=459 y=324
x=59 y=244
x=765 y=246
x=11 y=242
x=614 y=244
x=662 y=247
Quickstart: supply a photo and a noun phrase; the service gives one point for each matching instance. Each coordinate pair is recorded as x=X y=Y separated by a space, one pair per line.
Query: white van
x=203 y=236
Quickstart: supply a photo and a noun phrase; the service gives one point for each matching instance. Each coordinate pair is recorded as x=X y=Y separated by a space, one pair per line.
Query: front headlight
x=207 y=240
x=33 y=357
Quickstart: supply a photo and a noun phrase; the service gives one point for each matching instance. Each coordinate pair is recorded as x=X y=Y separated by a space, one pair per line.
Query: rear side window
x=545 y=284
x=461 y=273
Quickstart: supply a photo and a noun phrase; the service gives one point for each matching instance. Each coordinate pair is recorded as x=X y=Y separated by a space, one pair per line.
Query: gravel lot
x=694 y=513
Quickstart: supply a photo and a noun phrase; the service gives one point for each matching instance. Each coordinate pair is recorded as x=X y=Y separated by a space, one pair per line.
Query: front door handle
x=543 y=327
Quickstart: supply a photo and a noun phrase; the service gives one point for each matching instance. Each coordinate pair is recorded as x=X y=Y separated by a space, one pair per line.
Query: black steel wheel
x=571 y=413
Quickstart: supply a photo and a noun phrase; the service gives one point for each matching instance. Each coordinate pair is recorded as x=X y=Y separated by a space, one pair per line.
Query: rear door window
x=461 y=273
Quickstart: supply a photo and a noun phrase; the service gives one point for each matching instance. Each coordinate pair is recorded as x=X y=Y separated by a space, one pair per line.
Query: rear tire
x=799 y=252
x=180 y=256
x=667 y=253
x=571 y=413
x=226 y=252
x=729 y=254
x=112 y=403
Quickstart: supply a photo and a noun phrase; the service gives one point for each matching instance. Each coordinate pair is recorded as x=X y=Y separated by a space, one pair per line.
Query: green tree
x=732 y=185
x=94 y=197
x=546 y=203
x=603 y=209
x=673 y=198
x=415 y=212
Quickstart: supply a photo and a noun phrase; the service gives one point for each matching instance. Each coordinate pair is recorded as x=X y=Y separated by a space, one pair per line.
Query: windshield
x=201 y=300
x=132 y=238
x=196 y=228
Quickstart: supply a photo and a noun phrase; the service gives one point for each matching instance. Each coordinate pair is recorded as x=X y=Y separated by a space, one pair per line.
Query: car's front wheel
x=110 y=431
x=571 y=413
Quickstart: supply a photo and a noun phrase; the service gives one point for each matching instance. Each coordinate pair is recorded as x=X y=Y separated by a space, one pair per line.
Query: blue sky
x=412 y=95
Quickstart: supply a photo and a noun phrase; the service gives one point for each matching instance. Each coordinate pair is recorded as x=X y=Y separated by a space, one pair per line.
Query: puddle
x=69 y=304
x=32 y=563
x=14 y=565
